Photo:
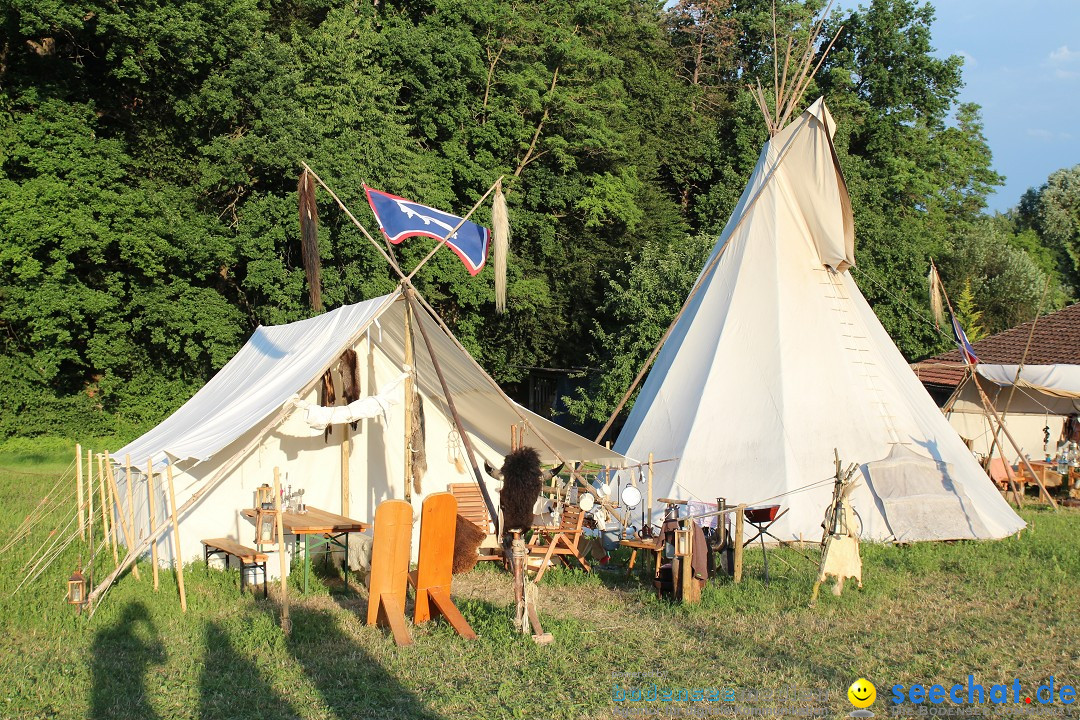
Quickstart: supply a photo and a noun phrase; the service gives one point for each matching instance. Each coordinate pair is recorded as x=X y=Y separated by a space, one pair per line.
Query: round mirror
x=586 y=501
x=631 y=496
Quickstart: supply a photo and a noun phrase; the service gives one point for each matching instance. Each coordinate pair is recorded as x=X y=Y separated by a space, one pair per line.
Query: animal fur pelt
x=350 y=378
x=418 y=443
x=522 y=482
x=328 y=399
x=309 y=239
x=467 y=541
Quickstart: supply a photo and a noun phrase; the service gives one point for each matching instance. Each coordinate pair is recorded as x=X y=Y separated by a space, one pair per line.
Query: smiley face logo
x=862 y=693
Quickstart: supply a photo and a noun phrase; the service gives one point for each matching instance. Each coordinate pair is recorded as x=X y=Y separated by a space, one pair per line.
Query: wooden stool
x=389 y=577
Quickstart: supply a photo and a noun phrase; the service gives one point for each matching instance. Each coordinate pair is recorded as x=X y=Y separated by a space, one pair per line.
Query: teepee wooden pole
x=346 y=449
x=178 y=555
x=130 y=496
x=90 y=497
x=153 y=517
x=106 y=510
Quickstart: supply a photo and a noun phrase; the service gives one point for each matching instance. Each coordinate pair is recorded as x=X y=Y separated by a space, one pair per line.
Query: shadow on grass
x=122 y=653
x=230 y=681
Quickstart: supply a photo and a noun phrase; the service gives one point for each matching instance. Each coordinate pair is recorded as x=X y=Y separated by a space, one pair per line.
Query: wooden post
x=408 y=402
x=649 y=489
x=79 y=490
x=346 y=447
x=286 y=621
x=153 y=517
x=129 y=532
x=178 y=558
x=740 y=514
x=90 y=500
x=518 y=554
x=110 y=534
x=689 y=590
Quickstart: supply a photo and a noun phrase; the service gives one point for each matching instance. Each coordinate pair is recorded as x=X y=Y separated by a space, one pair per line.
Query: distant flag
x=962 y=341
x=399 y=218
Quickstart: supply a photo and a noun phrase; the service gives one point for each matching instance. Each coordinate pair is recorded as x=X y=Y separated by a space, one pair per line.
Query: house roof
x=1056 y=342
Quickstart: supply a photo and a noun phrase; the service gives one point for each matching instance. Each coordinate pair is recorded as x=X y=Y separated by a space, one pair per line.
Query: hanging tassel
x=936 y=305
x=309 y=239
x=500 y=230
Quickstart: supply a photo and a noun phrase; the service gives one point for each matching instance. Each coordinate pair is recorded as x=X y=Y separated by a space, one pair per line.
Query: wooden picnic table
x=327 y=527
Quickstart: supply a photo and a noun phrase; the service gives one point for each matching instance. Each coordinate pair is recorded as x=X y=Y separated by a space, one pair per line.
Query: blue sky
x=1022 y=65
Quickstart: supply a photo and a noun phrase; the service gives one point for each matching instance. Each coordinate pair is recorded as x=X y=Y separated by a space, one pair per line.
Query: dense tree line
x=149 y=152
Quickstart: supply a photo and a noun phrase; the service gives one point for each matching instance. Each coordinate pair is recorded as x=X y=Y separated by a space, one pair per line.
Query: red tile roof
x=1056 y=341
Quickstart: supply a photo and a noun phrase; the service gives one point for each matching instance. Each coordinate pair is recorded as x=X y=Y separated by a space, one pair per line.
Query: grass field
x=931 y=613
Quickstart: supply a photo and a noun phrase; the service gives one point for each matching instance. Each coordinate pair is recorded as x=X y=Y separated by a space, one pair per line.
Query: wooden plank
x=438 y=524
x=178 y=560
x=232 y=547
x=441 y=599
x=392 y=613
x=390 y=552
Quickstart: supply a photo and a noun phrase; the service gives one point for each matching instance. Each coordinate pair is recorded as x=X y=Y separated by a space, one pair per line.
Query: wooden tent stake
x=286 y=621
x=153 y=517
x=178 y=558
x=129 y=538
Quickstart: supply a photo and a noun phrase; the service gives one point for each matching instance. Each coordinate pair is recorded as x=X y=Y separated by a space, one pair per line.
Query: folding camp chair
x=470 y=505
x=559 y=540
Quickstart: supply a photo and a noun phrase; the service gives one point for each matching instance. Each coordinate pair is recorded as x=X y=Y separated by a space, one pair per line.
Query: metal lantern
x=76 y=592
x=682 y=543
x=266 y=529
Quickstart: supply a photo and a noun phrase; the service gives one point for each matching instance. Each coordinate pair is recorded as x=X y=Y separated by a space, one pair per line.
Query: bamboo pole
x=153 y=517
x=286 y=621
x=129 y=532
x=409 y=360
x=79 y=490
x=346 y=443
x=178 y=559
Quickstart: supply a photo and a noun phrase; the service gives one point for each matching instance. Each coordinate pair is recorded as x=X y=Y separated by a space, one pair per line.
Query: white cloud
x=1063 y=56
x=970 y=63
x=1048 y=135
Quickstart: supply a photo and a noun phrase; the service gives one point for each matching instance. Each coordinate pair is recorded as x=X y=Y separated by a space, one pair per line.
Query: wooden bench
x=248 y=557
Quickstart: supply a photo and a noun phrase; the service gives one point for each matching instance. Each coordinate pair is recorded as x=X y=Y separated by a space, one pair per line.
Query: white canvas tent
x=248 y=419
x=778 y=359
x=1042 y=396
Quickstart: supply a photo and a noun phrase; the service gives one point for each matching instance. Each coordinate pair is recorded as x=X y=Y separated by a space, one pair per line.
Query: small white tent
x=777 y=359
x=250 y=418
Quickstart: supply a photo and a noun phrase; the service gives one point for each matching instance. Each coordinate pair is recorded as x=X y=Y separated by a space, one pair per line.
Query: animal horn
x=493 y=472
x=548 y=474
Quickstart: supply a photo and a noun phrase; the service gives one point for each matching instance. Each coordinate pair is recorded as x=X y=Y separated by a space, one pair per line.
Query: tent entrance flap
x=920 y=499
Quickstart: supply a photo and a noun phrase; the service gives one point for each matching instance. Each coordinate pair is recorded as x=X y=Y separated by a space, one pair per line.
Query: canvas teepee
x=777 y=359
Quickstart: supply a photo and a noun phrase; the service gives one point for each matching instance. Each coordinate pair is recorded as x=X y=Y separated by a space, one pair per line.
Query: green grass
x=929 y=613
